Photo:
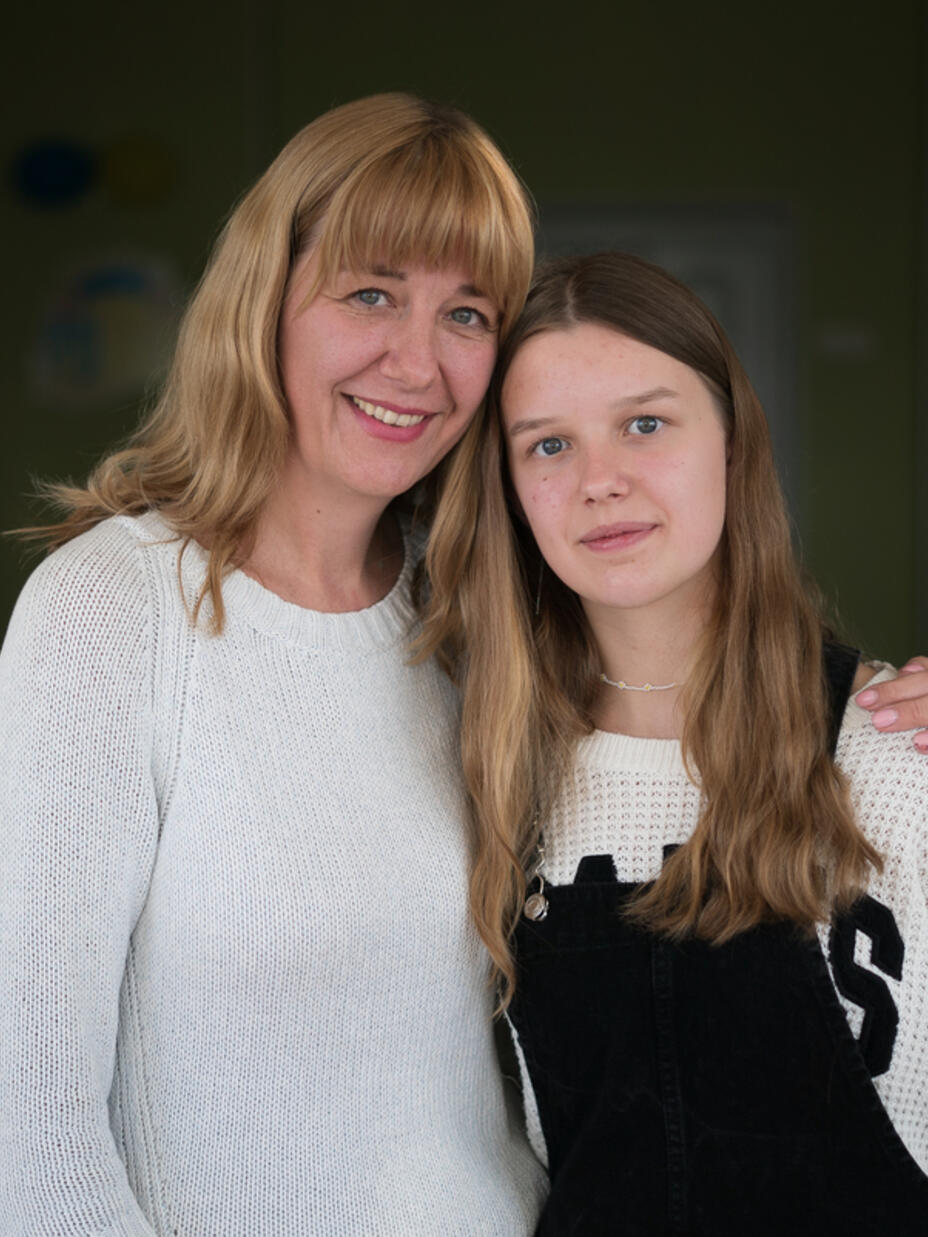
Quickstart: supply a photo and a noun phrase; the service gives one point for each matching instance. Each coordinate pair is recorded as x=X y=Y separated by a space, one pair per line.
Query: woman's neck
x=333 y=557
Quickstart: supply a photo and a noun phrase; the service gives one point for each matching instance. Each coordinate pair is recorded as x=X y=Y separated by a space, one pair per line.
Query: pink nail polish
x=885 y=717
x=866 y=697
x=921 y=742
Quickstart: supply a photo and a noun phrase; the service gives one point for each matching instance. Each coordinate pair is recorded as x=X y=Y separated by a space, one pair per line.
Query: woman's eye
x=466 y=316
x=370 y=296
x=645 y=425
x=549 y=447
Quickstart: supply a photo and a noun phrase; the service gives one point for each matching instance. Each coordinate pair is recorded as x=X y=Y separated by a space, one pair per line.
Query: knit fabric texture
x=240 y=993
x=630 y=797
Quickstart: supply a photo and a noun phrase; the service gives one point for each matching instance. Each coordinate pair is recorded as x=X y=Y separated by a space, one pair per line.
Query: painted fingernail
x=885 y=717
x=921 y=742
x=866 y=698
x=910 y=668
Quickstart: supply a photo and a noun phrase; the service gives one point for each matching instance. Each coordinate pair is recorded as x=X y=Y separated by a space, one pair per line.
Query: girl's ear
x=512 y=501
x=516 y=507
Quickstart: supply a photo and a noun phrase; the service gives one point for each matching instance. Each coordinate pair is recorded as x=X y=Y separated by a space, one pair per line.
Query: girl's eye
x=370 y=296
x=645 y=425
x=549 y=447
x=466 y=316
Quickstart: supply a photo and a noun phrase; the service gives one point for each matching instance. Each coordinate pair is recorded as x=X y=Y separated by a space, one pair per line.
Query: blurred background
x=775 y=157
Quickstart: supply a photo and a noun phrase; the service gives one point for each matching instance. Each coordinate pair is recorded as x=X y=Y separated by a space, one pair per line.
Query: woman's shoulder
x=94 y=581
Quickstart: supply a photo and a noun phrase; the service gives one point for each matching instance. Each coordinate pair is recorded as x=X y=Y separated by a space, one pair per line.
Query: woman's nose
x=411 y=358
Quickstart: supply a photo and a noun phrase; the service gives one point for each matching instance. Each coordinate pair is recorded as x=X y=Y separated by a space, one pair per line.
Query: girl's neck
x=640 y=647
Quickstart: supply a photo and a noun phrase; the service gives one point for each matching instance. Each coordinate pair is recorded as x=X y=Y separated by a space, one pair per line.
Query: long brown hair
x=389 y=178
x=776 y=836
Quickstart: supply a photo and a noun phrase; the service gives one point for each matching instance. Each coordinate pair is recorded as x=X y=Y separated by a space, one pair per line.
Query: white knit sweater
x=629 y=797
x=239 y=990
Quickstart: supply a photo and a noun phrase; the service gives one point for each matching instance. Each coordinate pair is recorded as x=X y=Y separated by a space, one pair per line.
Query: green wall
x=815 y=110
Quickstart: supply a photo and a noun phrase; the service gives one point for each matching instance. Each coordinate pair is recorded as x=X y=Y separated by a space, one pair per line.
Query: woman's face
x=382 y=371
x=617 y=454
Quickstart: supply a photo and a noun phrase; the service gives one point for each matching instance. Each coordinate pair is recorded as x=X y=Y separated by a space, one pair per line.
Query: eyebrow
x=646 y=397
x=629 y=401
x=387 y=272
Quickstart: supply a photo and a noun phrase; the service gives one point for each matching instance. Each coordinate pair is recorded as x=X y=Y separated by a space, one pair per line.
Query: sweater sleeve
x=78 y=830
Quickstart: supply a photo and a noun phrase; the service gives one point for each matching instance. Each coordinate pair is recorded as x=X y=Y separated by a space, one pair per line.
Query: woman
x=240 y=990
x=719 y=980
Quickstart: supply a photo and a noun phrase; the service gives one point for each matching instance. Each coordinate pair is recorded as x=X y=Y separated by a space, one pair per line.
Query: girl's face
x=617 y=454
x=382 y=370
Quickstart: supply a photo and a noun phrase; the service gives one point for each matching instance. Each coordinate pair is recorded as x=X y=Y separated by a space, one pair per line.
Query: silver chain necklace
x=536 y=904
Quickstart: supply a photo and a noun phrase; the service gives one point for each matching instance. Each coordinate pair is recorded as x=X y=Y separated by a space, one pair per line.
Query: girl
x=719 y=980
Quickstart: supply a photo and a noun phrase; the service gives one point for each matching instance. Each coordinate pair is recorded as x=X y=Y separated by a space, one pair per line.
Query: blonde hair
x=389 y=178
x=776 y=836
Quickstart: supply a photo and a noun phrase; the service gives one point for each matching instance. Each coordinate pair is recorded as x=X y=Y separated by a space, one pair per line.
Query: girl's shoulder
x=857 y=724
x=888 y=778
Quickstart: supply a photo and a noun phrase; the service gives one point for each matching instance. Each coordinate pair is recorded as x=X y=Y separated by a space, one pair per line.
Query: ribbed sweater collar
x=383 y=624
x=604 y=750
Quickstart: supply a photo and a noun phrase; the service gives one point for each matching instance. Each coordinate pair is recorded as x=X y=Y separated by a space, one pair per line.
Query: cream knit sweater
x=240 y=995
x=629 y=797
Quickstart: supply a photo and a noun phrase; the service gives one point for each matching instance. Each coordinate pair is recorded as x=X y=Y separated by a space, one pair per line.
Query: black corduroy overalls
x=712 y=1091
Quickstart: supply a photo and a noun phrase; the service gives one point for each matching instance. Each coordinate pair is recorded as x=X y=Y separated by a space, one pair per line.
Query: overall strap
x=840 y=666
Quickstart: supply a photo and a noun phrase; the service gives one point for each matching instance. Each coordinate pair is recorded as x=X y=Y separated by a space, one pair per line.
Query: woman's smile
x=389 y=414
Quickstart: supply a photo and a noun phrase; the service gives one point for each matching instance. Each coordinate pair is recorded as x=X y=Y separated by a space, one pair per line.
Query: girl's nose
x=604 y=476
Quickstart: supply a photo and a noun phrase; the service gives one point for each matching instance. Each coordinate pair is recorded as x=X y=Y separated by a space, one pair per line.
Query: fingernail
x=866 y=698
x=921 y=742
x=910 y=669
x=885 y=717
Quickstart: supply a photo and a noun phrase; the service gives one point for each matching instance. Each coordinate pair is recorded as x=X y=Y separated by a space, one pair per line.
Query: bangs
x=439 y=206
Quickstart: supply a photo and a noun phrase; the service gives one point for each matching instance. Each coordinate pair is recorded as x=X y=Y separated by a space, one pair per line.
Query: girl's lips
x=616 y=536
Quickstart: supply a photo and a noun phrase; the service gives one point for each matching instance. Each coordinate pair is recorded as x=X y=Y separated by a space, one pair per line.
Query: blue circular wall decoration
x=53 y=172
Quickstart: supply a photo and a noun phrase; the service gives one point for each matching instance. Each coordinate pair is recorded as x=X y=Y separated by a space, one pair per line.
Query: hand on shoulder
x=900 y=703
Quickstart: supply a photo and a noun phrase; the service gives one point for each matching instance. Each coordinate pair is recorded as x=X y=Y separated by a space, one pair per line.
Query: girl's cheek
x=544 y=496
